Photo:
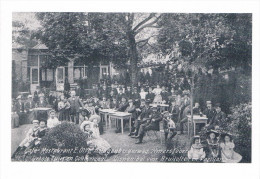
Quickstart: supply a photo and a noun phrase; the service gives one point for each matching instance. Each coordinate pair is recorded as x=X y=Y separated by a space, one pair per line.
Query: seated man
x=131 y=109
x=187 y=111
x=114 y=104
x=151 y=123
x=142 y=114
x=104 y=104
x=122 y=107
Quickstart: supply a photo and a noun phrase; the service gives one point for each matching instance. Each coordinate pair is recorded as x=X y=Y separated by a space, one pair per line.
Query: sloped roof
x=40 y=46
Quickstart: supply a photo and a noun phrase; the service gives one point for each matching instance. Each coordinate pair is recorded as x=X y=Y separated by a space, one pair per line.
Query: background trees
x=95 y=37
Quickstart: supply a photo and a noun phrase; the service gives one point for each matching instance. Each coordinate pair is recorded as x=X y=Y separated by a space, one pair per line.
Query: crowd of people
x=142 y=102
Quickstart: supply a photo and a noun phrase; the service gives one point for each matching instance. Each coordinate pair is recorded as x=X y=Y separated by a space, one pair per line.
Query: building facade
x=29 y=68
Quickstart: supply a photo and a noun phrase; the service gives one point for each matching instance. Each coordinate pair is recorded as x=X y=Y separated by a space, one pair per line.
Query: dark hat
x=218 y=105
x=147 y=101
x=213 y=131
x=223 y=135
x=52 y=111
x=194 y=138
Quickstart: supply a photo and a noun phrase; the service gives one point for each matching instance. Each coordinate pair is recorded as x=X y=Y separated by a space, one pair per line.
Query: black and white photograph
x=131 y=87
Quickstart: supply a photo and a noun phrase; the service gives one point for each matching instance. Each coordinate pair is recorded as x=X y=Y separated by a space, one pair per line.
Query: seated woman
x=98 y=145
x=40 y=134
x=228 y=155
x=196 y=152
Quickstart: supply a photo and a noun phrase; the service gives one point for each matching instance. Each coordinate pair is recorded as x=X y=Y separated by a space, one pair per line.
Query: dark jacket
x=122 y=107
x=131 y=110
x=75 y=104
x=29 y=105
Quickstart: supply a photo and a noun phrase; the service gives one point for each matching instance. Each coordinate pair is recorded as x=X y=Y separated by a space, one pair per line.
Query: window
x=33 y=60
x=60 y=75
x=35 y=76
x=79 y=72
x=50 y=75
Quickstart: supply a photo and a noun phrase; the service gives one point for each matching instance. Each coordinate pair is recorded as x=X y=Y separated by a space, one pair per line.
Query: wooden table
x=43 y=112
x=197 y=119
x=105 y=113
x=163 y=107
x=121 y=116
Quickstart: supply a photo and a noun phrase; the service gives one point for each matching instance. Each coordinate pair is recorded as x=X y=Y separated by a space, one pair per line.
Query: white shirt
x=52 y=122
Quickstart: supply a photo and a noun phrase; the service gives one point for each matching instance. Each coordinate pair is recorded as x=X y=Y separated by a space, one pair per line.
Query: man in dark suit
x=150 y=95
x=142 y=113
x=114 y=104
x=20 y=110
x=104 y=92
x=128 y=92
x=120 y=95
x=219 y=120
x=209 y=112
x=75 y=106
x=151 y=123
x=136 y=97
x=122 y=107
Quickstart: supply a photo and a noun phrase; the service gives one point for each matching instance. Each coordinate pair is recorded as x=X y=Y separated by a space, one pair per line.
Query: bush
x=241 y=126
x=65 y=136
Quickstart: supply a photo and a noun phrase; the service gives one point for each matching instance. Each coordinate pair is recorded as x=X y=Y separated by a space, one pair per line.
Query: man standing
x=20 y=110
x=120 y=95
x=75 y=105
x=150 y=95
x=128 y=92
x=29 y=105
x=136 y=97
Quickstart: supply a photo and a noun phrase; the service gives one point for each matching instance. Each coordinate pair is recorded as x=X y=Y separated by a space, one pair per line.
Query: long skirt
x=64 y=115
x=15 y=121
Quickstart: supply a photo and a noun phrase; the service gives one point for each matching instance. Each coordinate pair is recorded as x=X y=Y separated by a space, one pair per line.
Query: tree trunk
x=133 y=58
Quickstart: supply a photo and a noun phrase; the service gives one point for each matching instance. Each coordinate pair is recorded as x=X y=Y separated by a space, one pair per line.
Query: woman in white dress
x=196 y=152
x=158 y=98
x=228 y=155
x=143 y=93
x=98 y=145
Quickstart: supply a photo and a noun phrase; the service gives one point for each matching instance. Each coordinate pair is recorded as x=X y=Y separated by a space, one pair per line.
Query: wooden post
x=191 y=105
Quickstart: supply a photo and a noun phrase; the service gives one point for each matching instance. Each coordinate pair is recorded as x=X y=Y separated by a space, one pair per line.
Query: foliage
x=95 y=37
x=241 y=127
x=64 y=136
x=22 y=35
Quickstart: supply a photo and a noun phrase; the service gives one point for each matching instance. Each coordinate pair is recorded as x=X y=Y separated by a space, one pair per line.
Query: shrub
x=241 y=126
x=65 y=136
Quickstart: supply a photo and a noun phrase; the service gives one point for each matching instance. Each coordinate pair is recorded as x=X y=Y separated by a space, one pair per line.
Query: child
x=228 y=154
x=196 y=152
x=53 y=120
x=213 y=145
x=41 y=132
x=169 y=126
x=29 y=139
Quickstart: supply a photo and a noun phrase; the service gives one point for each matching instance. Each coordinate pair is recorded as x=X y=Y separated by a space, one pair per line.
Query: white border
x=121 y=170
